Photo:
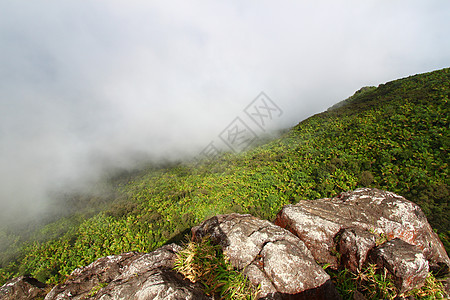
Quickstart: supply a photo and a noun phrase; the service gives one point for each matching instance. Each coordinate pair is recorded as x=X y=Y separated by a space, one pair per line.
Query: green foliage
x=433 y=289
x=395 y=137
x=366 y=178
x=445 y=238
x=97 y=288
x=205 y=263
x=375 y=283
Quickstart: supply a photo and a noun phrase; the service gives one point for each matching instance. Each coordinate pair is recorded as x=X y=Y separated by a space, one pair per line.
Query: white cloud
x=107 y=78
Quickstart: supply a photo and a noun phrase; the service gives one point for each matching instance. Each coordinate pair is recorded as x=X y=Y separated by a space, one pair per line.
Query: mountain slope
x=394 y=137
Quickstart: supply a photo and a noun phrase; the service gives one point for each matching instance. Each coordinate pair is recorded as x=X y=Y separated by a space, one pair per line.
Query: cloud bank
x=86 y=85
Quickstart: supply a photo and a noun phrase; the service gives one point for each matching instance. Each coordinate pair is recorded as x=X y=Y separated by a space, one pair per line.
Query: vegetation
x=394 y=137
x=375 y=283
x=201 y=261
x=97 y=288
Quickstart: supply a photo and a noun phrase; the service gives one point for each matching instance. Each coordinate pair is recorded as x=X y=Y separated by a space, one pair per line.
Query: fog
x=90 y=85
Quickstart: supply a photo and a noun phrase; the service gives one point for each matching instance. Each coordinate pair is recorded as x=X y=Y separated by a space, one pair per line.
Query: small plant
x=375 y=283
x=205 y=263
x=97 y=288
x=381 y=237
x=433 y=289
x=345 y=283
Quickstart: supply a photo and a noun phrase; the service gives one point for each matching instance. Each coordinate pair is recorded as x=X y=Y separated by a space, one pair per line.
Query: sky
x=89 y=85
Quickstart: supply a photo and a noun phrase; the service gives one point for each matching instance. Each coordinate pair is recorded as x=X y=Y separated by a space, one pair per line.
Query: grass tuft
x=97 y=288
x=205 y=263
x=433 y=289
x=375 y=283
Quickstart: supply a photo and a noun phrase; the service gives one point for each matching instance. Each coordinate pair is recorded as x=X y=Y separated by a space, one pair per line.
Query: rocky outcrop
x=348 y=231
x=405 y=261
x=129 y=276
x=23 y=287
x=269 y=255
x=386 y=215
x=353 y=245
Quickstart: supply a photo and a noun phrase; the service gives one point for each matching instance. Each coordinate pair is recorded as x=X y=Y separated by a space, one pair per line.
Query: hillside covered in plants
x=393 y=137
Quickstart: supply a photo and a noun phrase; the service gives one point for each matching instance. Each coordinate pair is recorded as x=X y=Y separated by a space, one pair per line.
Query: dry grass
x=205 y=263
x=375 y=283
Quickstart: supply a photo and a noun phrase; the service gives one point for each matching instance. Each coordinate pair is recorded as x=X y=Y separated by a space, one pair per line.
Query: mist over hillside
x=90 y=88
x=394 y=137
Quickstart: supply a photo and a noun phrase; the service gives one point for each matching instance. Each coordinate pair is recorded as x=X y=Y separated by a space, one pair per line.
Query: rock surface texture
x=129 y=276
x=354 y=245
x=384 y=214
x=23 y=287
x=351 y=230
x=405 y=261
x=268 y=255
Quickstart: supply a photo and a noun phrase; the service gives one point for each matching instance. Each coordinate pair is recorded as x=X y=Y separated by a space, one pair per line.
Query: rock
x=354 y=244
x=129 y=276
x=446 y=286
x=313 y=229
x=155 y=284
x=358 y=296
x=405 y=261
x=318 y=222
x=23 y=287
x=268 y=255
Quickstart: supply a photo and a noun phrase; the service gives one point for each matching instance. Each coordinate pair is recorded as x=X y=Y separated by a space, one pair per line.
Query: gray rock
x=317 y=223
x=446 y=286
x=129 y=276
x=354 y=244
x=23 y=287
x=268 y=255
x=405 y=261
x=358 y=296
x=154 y=284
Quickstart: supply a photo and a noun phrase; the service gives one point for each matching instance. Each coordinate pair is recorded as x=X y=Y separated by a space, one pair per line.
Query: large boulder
x=354 y=245
x=129 y=276
x=384 y=214
x=269 y=255
x=23 y=287
x=405 y=261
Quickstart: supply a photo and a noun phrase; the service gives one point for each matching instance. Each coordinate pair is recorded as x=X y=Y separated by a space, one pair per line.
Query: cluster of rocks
x=284 y=257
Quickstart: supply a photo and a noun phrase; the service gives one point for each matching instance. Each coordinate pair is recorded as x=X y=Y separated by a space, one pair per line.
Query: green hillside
x=394 y=137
